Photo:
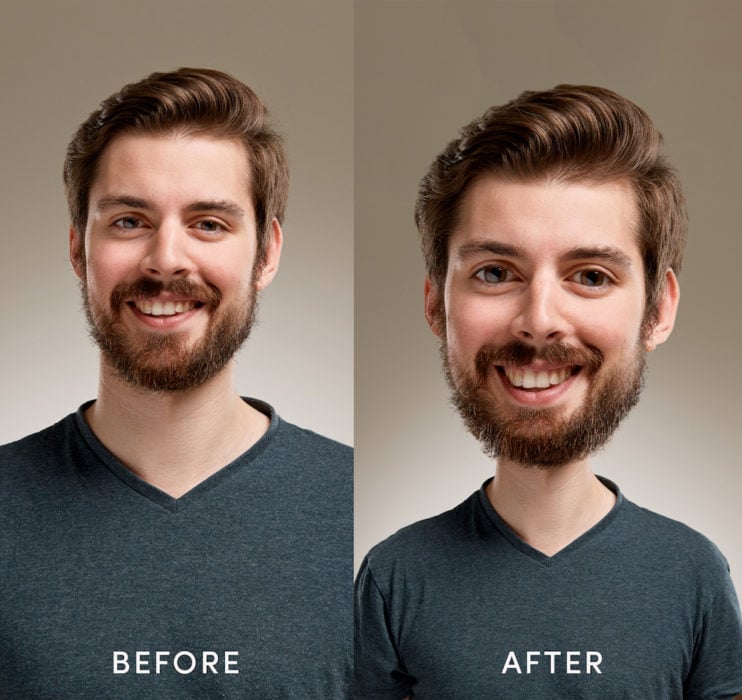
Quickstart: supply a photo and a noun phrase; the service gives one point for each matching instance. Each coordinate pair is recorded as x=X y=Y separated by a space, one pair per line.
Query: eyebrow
x=221 y=205
x=476 y=248
x=112 y=201
x=609 y=254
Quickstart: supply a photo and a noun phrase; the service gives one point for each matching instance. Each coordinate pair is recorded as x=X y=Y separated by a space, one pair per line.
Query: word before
x=571 y=662
x=184 y=662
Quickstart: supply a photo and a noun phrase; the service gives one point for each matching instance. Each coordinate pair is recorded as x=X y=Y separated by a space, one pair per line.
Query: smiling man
x=553 y=232
x=172 y=539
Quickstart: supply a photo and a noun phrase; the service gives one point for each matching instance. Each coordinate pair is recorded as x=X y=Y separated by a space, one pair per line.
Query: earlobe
x=77 y=252
x=667 y=311
x=272 y=256
x=433 y=304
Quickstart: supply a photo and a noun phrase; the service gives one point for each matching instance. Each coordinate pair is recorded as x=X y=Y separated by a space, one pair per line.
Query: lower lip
x=164 y=323
x=541 y=398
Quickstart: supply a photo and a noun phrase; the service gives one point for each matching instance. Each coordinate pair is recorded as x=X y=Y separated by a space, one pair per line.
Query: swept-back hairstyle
x=570 y=133
x=192 y=101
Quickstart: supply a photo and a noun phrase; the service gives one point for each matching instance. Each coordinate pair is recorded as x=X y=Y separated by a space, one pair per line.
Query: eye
x=592 y=278
x=494 y=274
x=128 y=223
x=210 y=226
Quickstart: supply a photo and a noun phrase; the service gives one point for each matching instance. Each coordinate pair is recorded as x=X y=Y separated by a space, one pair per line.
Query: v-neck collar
x=566 y=552
x=152 y=493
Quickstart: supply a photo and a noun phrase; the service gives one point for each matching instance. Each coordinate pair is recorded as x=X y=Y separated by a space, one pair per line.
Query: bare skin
x=174 y=441
x=549 y=509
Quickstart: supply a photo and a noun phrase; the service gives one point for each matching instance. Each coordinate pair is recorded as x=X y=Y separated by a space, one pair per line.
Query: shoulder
x=37 y=448
x=674 y=555
x=294 y=441
x=313 y=444
x=312 y=473
x=660 y=536
x=319 y=468
x=312 y=455
x=426 y=544
x=692 y=578
x=37 y=467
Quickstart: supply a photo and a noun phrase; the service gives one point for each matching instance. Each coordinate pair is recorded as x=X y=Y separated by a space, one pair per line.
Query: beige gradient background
x=422 y=70
x=58 y=60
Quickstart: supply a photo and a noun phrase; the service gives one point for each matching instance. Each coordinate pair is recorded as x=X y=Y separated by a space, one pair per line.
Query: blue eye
x=494 y=274
x=128 y=222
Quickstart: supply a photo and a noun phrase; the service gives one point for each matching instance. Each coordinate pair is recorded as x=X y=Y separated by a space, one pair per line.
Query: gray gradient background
x=422 y=70
x=57 y=61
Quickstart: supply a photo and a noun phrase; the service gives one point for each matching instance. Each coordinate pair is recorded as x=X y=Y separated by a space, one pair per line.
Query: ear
x=77 y=252
x=272 y=256
x=433 y=305
x=667 y=311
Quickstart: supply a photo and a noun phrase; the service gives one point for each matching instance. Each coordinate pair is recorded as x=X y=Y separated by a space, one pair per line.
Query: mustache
x=517 y=354
x=146 y=288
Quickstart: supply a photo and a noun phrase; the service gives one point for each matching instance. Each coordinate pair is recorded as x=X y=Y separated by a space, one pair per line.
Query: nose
x=540 y=318
x=166 y=255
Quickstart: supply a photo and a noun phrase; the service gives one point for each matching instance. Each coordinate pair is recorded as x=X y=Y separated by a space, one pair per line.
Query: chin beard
x=161 y=362
x=543 y=437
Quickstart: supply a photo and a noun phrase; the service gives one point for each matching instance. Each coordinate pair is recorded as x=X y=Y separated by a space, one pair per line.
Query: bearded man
x=172 y=539
x=553 y=232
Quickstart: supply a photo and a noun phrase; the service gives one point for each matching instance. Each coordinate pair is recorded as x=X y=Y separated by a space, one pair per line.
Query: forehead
x=173 y=165
x=544 y=218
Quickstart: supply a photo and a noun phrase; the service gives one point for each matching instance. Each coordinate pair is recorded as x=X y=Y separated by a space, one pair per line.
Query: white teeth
x=528 y=379
x=169 y=308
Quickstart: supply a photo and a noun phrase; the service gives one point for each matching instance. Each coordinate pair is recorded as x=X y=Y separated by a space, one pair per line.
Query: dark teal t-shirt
x=458 y=606
x=110 y=588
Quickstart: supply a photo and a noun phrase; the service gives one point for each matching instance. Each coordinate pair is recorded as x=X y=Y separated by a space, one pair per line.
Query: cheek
x=615 y=332
x=473 y=322
x=232 y=282
x=228 y=266
x=105 y=271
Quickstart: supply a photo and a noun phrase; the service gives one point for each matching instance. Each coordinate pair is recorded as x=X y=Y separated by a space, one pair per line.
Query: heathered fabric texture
x=451 y=607
x=256 y=559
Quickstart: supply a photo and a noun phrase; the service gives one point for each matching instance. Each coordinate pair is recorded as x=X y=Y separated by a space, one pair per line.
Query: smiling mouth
x=525 y=378
x=155 y=307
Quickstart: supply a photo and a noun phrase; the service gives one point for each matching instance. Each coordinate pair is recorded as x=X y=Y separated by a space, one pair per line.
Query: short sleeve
x=717 y=662
x=379 y=672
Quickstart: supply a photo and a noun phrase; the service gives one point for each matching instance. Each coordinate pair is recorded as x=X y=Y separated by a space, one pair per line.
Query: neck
x=549 y=508
x=174 y=440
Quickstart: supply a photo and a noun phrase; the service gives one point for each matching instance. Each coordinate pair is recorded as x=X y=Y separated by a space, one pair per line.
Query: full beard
x=543 y=437
x=162 y=362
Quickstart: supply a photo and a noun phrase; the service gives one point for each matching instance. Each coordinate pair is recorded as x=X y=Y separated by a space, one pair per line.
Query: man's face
x=542 y=331
x=168 y=271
